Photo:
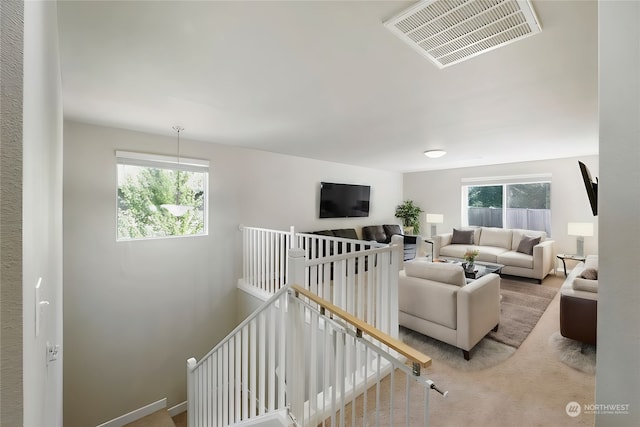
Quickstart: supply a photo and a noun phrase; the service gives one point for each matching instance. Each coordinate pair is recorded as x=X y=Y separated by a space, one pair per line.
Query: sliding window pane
x=529 y=206
x=485 y=205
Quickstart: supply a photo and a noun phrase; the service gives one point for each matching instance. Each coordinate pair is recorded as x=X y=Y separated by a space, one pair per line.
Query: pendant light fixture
x=177 y=209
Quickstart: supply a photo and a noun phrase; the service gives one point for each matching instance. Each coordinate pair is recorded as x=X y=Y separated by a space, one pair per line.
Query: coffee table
x=480 y=268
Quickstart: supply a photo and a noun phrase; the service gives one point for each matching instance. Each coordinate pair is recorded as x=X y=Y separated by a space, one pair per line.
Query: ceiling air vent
x=451 y=31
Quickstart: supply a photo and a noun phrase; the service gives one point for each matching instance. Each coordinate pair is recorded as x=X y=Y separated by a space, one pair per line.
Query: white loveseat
x=435 y=300
x=502 y=246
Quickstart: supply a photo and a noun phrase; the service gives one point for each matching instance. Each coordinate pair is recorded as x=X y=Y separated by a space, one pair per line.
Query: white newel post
x=295 y=336
x=294 y=238
x=397 y=264
x=191 y=404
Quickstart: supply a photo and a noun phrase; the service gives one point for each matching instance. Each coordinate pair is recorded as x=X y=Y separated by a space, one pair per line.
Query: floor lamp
x=580 y=230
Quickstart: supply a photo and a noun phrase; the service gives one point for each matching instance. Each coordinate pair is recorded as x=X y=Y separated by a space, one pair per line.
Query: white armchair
x=435 y=300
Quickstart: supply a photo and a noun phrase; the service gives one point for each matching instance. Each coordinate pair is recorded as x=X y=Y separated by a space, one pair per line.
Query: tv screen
x=344 y=200
x=591 y=187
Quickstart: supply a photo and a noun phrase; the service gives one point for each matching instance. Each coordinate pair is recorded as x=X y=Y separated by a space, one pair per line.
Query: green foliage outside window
x=485 y=196
x=530 y=196
x=144 y=193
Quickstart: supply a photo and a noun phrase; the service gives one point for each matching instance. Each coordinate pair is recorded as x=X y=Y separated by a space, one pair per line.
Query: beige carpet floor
x=532 y=387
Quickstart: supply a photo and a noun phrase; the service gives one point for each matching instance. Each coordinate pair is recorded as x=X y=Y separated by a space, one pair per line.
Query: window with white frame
x=160 y=196
x=508 y=202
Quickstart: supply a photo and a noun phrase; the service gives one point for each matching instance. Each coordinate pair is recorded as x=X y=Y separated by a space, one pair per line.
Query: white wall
x=34 y=232
x=440 y=192
x=618 y=367
x=42 y=213
x=135 y=311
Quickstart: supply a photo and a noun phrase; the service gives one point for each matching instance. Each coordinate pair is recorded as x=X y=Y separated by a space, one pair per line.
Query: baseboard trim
x=253 y=291
x=137 y=414
x=178 y=409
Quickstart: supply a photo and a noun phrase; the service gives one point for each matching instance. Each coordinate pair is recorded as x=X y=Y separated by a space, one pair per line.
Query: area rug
x=581 y=357
x=521 y=307
x=485 y=354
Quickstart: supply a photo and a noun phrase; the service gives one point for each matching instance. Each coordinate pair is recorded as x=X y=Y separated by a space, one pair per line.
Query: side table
x=565 y=257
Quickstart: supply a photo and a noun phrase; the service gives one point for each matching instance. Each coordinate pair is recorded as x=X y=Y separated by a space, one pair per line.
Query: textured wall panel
x=11 y=60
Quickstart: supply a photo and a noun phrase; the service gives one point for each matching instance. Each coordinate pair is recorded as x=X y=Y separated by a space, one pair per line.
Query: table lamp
x=434 y=219
x=580 y=230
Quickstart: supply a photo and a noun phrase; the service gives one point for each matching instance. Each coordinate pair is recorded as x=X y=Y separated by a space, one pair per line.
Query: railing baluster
x=261 y=364
x=256 y=259
x=378 y=391
x=245 y=372
x=225 y=384
x=282 y=352
x=238 y=378
x=220 y=384
x=407 y=400
x=341 y=373
x=271 y=371
x=313 y=366
x=210 y=391
x=253 y=374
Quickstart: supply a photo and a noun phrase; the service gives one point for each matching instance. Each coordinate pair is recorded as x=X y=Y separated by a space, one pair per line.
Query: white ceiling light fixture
x=177 y=209
x=451 y=31
x=434 y=154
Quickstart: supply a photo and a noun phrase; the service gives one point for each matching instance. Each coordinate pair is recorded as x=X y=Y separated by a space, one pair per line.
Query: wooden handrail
x=413 y=355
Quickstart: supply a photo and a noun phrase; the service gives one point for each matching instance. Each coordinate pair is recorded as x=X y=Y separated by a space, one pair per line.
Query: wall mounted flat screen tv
x=591 y=187
x=344 y=200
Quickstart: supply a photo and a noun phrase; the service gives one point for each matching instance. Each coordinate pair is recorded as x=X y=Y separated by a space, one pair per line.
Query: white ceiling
x=327 y=80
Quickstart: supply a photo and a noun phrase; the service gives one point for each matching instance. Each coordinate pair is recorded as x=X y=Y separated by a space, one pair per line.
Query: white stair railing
x=289 y=355
x=363 y=283
x=264 y=259
x=352 y=370
x=264 y=255
x=237 y=380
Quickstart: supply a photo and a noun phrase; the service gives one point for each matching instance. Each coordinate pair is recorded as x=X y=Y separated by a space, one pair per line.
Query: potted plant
x=470 y=255
x=470 y=258
x=409 y=213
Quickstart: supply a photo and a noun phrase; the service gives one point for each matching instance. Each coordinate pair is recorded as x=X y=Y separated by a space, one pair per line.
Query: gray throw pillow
x=527 y=243
x=462 y=237
x=590 y=273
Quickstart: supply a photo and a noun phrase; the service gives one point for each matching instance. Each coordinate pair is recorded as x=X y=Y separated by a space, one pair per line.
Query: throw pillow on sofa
x=462 y=237
x=527 y=243
x=391 y=230
x=374 y=232
x=589 y=273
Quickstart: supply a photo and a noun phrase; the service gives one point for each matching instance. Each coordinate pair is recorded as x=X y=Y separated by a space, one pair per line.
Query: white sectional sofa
x=518 y=250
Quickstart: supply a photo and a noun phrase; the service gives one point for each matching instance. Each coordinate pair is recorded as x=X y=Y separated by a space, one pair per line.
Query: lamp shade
x=580 y=229
x=435 y=218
